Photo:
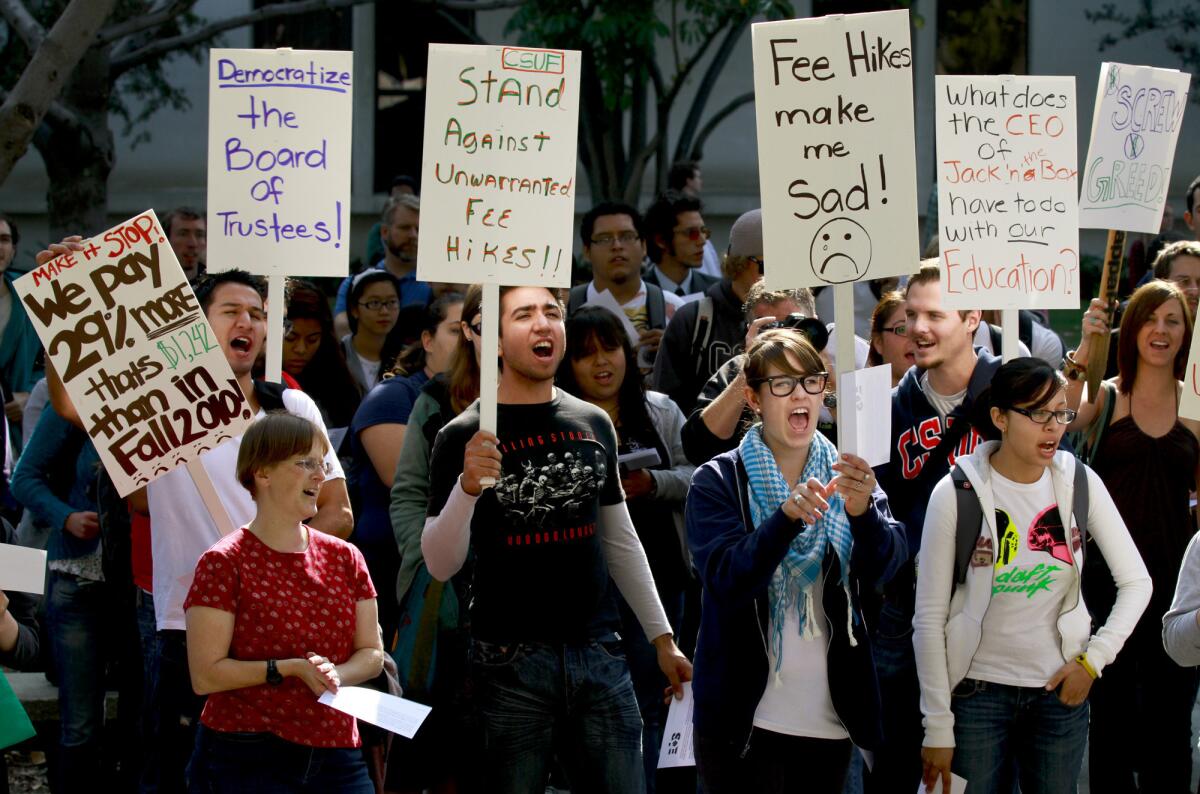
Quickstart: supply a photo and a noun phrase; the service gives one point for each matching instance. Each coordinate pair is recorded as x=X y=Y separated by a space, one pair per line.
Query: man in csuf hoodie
x=930 y=430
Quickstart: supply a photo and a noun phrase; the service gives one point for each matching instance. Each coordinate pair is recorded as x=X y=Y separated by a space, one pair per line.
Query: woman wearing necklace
x=277 y=615
x=785 y=534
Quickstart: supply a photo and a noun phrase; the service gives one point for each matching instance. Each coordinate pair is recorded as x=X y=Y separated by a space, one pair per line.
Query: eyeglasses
x=625 y=238
x=313 y=466
x=376 y=305
x=900 y=330
x=477 y=328
x=758 y=261
x=784 y=385
x=1042 y=416
x=694 y=233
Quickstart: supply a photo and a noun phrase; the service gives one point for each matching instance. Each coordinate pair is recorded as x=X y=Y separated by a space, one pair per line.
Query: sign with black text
x=122 y=328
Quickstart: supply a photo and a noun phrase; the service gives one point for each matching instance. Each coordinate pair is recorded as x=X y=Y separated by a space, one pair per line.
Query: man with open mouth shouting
x=545 y=653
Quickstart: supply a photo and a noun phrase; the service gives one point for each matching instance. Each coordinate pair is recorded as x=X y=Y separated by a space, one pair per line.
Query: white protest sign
x=1189 y=402
x=677 y=748
x=389 y=712
x=145 y=372
x=22 y=569
x=498 y=168
x=867 y=398
x=1008 y=221
x=836 y=154
x=1139 y=110
x=279 y=161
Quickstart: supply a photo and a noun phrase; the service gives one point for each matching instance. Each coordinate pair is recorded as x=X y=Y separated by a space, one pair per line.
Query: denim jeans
x=76 y=622
x=576 y=701
x=176 y=711
x=898 y=760
x=262 y=763
x=773 y=764
x=1000 y=728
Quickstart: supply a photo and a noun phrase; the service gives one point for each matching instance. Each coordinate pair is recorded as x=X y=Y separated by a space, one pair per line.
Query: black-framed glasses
x=762 y=267
x=1042 y=416
x=695 y=233
x=625 y=238
x=476 y=328
x=900 y=330
x=784 y=385
x=375 y=305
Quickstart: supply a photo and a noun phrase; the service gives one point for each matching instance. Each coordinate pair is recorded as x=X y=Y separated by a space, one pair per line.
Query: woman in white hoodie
x=1006 y=658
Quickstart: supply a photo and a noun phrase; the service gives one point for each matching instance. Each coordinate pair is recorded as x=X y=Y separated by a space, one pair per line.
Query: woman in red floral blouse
x=277 y=615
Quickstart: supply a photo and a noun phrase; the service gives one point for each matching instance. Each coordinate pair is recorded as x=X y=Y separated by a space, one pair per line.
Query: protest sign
x=145 y=372
x=836 y=153
x=1189 y=401
x=1139 y=110
x=279 y=161
x=1007 y=210
x=498 y=172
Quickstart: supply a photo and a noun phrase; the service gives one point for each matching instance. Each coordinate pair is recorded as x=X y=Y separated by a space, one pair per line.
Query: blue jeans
x=76 y=622
x=999 y=728
x=576 y=701
x=175 y=711
x=898 y=760
x=262 y=763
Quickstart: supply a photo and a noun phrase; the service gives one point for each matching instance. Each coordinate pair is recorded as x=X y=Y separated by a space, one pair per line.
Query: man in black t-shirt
x=545 y=653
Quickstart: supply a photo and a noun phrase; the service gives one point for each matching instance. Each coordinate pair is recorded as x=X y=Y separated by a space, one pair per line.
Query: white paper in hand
x=677 y=733
x=958 y=785
x=378 y=708
x=866 y=396
x=22 y=569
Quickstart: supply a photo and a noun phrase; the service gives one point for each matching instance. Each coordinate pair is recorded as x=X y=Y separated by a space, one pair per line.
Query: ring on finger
x=797 y=498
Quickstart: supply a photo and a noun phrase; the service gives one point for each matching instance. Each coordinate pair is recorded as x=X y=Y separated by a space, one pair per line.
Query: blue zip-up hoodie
x=736 y=562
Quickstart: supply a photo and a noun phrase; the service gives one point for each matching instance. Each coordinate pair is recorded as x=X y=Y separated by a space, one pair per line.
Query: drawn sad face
x=840 y=251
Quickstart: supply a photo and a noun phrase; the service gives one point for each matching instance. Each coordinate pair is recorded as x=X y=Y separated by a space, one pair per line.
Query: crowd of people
x=663 y=501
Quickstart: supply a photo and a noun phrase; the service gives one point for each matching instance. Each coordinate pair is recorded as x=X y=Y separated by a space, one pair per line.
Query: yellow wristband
x=1086 y=665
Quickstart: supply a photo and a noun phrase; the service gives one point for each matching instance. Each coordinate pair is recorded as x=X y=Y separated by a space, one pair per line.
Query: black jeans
x=176 y=711
x=775 y=764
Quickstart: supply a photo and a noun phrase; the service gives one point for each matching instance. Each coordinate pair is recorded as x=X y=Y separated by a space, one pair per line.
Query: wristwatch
x=274 y=677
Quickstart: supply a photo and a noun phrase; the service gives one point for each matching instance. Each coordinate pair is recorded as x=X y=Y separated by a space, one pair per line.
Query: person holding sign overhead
x=1004 y=646
x=785 y=534
x=277 y=615
x=549 y=669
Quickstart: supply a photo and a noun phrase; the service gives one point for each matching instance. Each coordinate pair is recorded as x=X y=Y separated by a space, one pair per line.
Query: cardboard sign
x=868 y=425
x=122 y=327
x=1189 y=402
x=1008 y=220
x=836 y=153
x=279 y=161
x=1139 y=110
x=498 y=167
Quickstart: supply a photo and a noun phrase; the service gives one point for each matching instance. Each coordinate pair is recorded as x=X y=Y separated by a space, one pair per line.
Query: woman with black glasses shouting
x=1004 y=648
x=785 y=534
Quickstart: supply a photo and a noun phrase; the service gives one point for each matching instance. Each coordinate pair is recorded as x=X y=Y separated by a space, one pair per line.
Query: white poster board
x=1189 y=402
x=836 y=153
x=1008 y=219
x=141 y=364
x=498 y=167
x=1139 y=110
x=279 y=136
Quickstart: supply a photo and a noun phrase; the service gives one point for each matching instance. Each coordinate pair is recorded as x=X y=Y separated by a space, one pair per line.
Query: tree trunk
x=80 y=157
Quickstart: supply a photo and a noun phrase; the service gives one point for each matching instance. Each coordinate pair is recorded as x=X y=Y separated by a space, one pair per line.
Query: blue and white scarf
x=792 y=583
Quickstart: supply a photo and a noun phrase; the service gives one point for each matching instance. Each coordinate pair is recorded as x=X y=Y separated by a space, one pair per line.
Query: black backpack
x=656 y=305
x=970 y=518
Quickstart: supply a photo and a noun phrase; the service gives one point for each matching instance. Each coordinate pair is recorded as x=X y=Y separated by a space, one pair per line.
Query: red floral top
x=285 y=604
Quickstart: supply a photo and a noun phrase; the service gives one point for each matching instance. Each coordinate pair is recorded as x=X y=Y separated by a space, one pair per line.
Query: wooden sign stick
x=1010 y=340
x=208 y=493
x=1110 y=276
x=276 y=310
x=489 y=374
x=843 y=331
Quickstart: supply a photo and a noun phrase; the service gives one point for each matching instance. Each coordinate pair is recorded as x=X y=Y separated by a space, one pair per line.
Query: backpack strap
x=970 y=518
x=576 y=298
x=1025 y=327
x=1080 y=503
x=702 y=330
x=656 y=307
x=269 y=395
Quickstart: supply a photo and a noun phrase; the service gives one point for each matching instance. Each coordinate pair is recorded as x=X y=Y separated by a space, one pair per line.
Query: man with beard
x=400 y=222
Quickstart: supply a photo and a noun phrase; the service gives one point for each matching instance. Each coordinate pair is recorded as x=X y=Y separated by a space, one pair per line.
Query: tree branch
x=23 y=22
x=135 y=25
x=697 y=151
x=467 y=5
x=682 y=74
x=56 y=112
x=707 y=83
x=43 y=78
x=471 y=35
x=124 y=63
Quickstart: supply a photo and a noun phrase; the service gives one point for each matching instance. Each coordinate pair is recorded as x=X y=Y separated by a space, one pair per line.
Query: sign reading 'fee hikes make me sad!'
x=498 y=169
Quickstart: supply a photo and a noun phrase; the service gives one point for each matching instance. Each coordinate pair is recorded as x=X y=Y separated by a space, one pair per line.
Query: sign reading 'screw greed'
x=836 y=153
x=122 y=327
x=498 y=171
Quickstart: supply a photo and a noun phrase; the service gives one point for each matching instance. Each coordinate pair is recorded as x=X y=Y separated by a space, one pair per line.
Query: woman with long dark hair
x=312 y=356
x=1148 y=457
x=889 y=336
x=373 y=310
x=600 y=367
x=1005 y=651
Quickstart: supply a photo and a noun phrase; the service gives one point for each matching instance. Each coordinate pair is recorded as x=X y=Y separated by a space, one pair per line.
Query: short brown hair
x=888 y=303
x=273 y=439
x=1167 y=256
x=734 y=265
x=1145 y=301
x=772 y=348
x=928 y=273
x=760 y=294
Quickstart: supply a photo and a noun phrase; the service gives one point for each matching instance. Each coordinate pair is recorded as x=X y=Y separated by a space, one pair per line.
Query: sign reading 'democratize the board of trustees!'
x=1008 y=218
x=498 y=168
x=122 y=327
x=279 y=138
x=1139 y=110
x=836 y=154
